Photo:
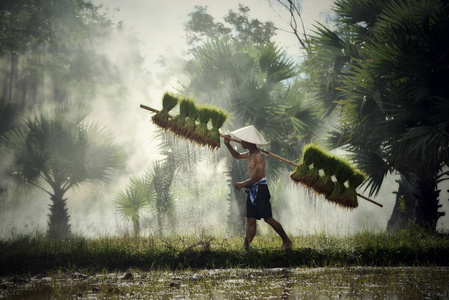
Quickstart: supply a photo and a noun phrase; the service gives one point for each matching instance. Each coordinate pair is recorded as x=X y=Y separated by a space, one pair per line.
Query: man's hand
x=226 y=139
x=239 y=186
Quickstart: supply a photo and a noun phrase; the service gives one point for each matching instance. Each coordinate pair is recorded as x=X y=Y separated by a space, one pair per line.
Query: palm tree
x=255 y=83
x=393 y=100
x=57 y=153
x=137 y=197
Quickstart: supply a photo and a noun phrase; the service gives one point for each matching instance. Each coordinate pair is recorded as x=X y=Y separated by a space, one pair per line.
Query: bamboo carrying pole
x=264 y=151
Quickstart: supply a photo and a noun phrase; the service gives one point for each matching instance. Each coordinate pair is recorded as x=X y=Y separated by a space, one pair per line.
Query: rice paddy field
x=411 y=264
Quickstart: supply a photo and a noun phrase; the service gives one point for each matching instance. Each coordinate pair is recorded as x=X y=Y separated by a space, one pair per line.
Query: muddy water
x=318 y=283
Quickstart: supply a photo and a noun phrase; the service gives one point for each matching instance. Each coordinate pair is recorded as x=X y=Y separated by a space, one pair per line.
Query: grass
x=35 y=254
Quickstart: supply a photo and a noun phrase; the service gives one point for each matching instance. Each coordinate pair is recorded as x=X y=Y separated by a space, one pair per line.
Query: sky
x=160 y=23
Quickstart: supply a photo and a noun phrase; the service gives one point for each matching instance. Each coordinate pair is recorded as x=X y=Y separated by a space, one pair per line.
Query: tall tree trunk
x=417 y=202
x=404 y=211
x=58 y=224
x=427 y=214
x=136 y=227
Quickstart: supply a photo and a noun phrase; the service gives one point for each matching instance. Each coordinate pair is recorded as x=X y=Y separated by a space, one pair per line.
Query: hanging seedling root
x=343 y=171
x=334 y=195
x=324 y=185
x=190 y=124
x=201 y=131
x=309 y=174
x=161 y=119
x=178 y=121
x=349 y=195
x=217 y=117
x=298 y=173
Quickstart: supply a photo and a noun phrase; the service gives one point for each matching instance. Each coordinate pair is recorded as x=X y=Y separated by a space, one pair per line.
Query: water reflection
x=317 y=283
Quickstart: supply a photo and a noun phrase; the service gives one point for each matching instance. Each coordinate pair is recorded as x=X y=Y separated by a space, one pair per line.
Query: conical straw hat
x=249 y=134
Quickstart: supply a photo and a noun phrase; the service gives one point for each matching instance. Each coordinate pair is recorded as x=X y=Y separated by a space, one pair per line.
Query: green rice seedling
x=201 y=131
x=349 y=195
x=324 y=185
x=178 y=121
x=218 y=117
x=311 y=177
x=343 y=170
x=335 y=194
x=311 y=153
x=313 y=156
x=191 y=118
x=298 y=173
x=357 y=179
x=169 y=101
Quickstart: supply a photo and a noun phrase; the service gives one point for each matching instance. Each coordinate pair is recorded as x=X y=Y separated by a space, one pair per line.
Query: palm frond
x=131 y=204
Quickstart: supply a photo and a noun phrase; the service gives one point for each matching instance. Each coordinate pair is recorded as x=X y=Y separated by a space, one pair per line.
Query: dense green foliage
x=37 y=254
x=383 y=67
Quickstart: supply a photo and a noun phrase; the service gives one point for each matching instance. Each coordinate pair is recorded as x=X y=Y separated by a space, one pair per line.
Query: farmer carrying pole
x=258 y=200
x=341 y=192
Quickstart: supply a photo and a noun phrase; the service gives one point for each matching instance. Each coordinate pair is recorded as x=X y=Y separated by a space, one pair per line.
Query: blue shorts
x=262 y=209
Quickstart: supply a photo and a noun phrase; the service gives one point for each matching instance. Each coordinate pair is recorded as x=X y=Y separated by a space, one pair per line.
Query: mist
x=201 y=194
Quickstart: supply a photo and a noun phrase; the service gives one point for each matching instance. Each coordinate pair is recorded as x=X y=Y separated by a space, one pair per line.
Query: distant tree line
x=48 y=59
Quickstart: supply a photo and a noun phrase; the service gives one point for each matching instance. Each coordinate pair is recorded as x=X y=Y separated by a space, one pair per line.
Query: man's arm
x=234 y=153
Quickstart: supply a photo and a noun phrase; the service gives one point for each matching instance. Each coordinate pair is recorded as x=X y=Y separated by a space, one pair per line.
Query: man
x=258 y=200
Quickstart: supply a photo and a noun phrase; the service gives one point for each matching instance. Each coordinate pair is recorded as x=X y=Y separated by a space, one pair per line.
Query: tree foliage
x=201 y=27
x=384 y=69
x=251 y=82
x=135 y=200
x=57 y=153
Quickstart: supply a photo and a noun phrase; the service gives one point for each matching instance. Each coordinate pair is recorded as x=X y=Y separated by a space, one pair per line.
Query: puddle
x=283 y=283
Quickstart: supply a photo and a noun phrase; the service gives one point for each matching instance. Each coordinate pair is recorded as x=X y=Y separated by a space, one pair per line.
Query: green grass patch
x=32 y=254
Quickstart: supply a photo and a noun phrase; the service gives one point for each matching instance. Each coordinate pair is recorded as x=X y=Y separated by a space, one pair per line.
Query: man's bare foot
x=246 y=245
x=287 y=244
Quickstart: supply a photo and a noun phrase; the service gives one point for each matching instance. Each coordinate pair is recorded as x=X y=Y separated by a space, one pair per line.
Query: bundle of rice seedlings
x=357 y=179
x=169 y=101
x=343 y=171
x=335 y=194
x=311 y=153
x=298 y=173
x=313 y=156
x=201 y=131
x=178 y=121
x=192 y=115
x=349 y=195
x=218 y=117
x=324 y=185
x=308 y=157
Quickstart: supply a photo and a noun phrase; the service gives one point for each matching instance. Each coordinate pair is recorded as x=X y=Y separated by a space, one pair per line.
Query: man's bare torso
x=252 y=162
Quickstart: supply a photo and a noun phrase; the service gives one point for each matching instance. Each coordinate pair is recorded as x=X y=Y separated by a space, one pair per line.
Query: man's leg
x=250 y=232
x=286 y=242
